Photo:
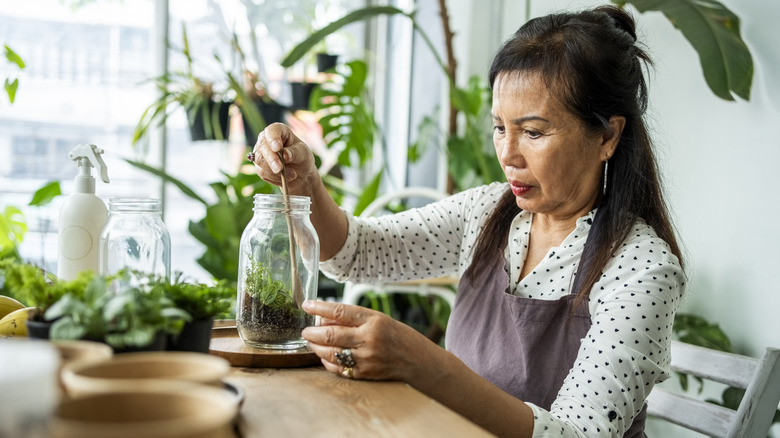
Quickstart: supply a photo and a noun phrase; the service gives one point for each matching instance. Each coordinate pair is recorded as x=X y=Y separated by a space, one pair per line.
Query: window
x=86 y=81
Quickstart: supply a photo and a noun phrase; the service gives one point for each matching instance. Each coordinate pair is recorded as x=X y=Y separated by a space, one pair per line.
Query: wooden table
x=311 y=402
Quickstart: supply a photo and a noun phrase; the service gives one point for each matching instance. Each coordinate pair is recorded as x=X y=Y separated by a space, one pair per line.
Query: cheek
x=499 y=144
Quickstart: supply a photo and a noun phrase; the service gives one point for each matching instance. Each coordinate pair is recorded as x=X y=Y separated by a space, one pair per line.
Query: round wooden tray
x=226 y=343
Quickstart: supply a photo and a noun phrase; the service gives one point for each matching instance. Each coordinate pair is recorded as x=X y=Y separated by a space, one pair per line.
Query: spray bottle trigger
x=92 y=154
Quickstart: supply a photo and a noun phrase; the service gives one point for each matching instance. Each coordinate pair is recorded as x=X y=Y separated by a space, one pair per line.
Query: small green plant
x=201 y=301
x=130 y=316
x=266 y=290
x=37 y=288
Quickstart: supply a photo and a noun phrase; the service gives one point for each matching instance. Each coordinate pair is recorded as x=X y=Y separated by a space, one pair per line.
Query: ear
x=611 y=137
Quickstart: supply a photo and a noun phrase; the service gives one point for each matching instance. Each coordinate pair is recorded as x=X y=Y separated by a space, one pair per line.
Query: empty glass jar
x=135 y=238
x=278 y=269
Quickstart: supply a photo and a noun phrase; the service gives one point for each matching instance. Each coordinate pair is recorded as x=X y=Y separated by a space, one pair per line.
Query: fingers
x=339 y=369
x=332 y=336
x=337 y=313
x=267 y=151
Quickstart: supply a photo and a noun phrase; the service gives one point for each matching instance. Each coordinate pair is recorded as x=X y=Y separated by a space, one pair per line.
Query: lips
x=519 y=189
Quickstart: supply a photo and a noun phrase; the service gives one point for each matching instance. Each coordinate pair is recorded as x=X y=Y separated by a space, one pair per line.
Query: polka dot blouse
x=625 y=352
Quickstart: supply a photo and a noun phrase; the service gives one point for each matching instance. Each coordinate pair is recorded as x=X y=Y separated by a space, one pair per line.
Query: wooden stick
x=296 y=279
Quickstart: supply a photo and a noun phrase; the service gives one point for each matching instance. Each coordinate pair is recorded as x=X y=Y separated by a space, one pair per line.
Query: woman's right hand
x=298 y=159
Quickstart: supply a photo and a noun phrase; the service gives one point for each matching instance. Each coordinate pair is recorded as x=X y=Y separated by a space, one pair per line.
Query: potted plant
x=39 y=290
x=207 y=109
x=112 y=310
x=203 y=303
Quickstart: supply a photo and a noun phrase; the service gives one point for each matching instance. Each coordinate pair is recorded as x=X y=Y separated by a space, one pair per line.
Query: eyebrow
x=520 y=120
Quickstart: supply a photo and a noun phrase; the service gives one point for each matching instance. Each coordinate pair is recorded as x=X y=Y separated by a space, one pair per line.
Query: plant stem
x=452 y=64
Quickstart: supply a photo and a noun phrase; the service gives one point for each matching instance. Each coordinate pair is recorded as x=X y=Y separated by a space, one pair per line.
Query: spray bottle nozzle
x=87 y=156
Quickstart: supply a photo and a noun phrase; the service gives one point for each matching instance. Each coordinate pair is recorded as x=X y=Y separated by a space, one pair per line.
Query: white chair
x=760 y=378
x=441 y=287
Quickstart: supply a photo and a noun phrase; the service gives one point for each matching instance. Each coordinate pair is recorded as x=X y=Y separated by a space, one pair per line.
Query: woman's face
x=553 y=164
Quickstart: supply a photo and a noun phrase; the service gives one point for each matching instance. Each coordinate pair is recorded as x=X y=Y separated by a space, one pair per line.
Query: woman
x=570 y=271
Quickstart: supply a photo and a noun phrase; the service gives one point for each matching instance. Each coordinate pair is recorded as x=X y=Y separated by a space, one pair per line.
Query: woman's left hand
x=381 y=347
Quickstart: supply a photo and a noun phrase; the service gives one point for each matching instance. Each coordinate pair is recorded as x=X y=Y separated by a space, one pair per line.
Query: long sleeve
x=426 y=242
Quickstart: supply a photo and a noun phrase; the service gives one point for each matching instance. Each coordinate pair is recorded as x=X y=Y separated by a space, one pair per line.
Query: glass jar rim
x=134 y=204
x=277 y=202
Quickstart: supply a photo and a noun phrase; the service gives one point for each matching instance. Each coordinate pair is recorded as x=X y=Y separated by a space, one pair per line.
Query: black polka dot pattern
x=625 y=352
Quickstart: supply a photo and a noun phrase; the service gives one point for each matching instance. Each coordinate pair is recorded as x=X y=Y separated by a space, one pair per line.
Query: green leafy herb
x=130 y=316
x=270 y=292
x=199 y=300
x=35 y=287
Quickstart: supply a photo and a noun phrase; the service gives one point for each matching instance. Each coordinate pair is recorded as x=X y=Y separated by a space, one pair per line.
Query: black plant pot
x=197 y=127
x=195 y=336
x=38 y=329
x=326 y=61
x=159 y=343
x=301 y=94
x=272 y=112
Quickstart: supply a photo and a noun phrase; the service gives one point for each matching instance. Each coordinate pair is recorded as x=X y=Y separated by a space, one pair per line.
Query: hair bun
x=623 y=20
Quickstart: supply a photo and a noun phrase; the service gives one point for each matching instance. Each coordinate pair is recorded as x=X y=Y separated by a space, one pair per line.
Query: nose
x=510 y=153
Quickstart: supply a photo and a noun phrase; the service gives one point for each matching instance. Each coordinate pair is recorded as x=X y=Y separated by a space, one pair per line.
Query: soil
x=264 y=325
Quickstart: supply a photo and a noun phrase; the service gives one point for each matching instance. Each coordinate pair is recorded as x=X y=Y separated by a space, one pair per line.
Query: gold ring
x=348 y=373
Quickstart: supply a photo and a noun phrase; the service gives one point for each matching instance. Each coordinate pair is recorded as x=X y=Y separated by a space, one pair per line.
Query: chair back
x=441 y=287
x=760 y=378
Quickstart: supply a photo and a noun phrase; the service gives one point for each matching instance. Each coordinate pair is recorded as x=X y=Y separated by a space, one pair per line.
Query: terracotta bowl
x=201 y=412
x=74 y=352
x=169 y=370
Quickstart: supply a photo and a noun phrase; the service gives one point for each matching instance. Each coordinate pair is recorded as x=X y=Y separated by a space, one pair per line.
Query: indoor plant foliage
x=269 y=314
x=11 y=84
x=202 y=302
x=258 y=108
x=711 y=28
x=37 y=288
x=118 y=312
x=207 y=109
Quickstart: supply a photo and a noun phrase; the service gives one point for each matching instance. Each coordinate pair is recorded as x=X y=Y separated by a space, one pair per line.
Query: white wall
x=720 y=161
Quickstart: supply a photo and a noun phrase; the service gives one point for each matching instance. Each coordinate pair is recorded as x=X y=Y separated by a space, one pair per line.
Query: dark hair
x=590 y=61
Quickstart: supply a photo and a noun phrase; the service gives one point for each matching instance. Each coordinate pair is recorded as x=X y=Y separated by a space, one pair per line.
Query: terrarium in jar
x=277 y=270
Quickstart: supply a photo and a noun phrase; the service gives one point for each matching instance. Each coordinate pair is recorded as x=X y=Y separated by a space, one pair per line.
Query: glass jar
x=278 y=267
x=135 y=238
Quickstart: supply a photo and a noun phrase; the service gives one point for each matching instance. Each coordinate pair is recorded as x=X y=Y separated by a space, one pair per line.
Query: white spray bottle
x=82 y=216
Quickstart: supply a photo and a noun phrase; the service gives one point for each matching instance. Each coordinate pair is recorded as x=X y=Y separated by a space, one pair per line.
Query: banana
x=15 y=323
x=8 y=305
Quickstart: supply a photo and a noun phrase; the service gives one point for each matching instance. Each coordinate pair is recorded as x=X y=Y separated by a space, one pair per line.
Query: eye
x=533 y=134
x=499 y=129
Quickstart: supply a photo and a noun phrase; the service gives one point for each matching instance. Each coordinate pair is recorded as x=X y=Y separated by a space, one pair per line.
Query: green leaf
x=12 y=57
x=346 y=121
x=10 y=89
x=696 y=330
x=12 y=229
x=45 y=194
x=427 y=132
x=714 y=32
x=312 y=40
x=67 y=329
x=369 y=194
x=168 y=178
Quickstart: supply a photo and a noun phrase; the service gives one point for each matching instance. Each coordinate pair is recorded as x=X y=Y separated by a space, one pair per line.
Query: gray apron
x=524 y=346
